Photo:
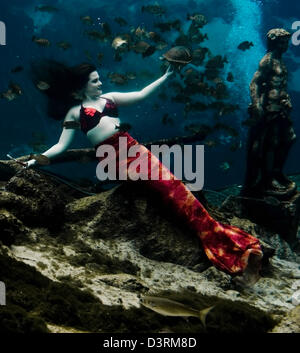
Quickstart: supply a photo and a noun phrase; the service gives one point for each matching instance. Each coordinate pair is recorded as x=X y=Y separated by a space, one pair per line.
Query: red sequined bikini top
x=90 y=117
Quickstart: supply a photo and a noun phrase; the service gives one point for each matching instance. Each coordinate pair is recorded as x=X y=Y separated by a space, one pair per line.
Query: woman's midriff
x=105 y=129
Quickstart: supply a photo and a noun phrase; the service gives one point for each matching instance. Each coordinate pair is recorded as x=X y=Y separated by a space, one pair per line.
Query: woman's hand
x=30 y=163
x=169 y=71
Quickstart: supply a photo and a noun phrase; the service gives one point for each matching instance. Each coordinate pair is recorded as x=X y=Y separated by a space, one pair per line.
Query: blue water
x=229 y=23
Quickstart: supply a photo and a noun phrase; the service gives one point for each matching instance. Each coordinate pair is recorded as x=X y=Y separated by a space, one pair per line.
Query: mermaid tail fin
x=229 y=249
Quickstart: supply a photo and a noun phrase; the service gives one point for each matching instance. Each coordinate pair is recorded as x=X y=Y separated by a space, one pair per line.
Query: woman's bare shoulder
x=108 y=96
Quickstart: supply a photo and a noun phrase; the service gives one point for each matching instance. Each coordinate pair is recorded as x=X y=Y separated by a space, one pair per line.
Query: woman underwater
x=78 y=92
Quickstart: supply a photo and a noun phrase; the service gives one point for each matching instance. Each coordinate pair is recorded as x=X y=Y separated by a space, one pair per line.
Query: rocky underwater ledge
x=77 y=263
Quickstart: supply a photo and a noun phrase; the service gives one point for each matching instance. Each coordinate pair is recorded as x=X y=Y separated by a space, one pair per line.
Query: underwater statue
x=271 y=132
x=75 y=94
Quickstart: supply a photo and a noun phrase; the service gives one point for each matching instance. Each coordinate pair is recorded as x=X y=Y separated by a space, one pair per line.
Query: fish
x=123 y=127
x=64 y=45
x=236 y=146
x=224 y=166
x=131 y=75
x=166 y=120
x=168 y=26
x=87 y=20
x=168 y=307
x=96 y=35
x=161 y=45
x=144 y=48
x=231 y=130
x=210 y=143
x=17 y=69
x=119 y=43
x=46 y=8
x=43 y=42
x=15 y=88
x=106 y=28
x=40 y=158
x=154 y=36
x=117 y=78
x=9 y=95
x=139 y=32
x=88 y=55
x=100 y=57
x=154 y=9
x=198 y=19
x=42 y=85
x=120 y=21
x=245 y=45
x=230 y=77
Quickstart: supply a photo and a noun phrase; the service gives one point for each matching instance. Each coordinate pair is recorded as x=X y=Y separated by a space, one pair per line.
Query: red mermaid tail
x=227 y=247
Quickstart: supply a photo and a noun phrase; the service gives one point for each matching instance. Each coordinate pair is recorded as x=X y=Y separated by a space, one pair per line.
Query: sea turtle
x=178 y=56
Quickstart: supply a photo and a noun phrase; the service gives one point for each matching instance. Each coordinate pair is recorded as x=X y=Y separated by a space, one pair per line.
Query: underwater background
x=67 y=25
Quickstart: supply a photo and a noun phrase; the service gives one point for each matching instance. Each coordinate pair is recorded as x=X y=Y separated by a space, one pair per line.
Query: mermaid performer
x=77 y=91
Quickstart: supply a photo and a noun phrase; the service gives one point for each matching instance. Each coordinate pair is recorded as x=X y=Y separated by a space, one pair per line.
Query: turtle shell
x=179 y=54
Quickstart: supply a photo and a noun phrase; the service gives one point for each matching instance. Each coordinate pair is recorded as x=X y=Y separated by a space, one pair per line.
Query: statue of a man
x=271 y=132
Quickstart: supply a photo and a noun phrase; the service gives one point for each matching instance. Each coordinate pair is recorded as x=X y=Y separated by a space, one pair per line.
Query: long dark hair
x=61 y=84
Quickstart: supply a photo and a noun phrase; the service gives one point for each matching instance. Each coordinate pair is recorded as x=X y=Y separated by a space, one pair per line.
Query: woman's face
x=93 y=86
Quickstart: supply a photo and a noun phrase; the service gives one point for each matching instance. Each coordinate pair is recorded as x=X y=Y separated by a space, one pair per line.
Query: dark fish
x=43 y=42
x=71 y=124
x=87 y=20
x=15 y=88
x=117 y=78
x=166 y=120
x=162 y=96
x=154 y=9
x=41 y=159
x=161 y=45
x=168 y=26
x=224 y=166
x=193 y=128
x=96 y=35
x=123 y=127
x=64 y=45
x=245 y=45
x=9 y=95
x=17 y=69
x=46 y=8
x=144 y=48
x=120 y=21
x=210 y=143
x=236 y=146
x=197 y=106
x=88 y=55
x=106 y=29
x=154 y=36
x=100 y=57
x=231 y=131
x=198 y=20
x=42 y=85
x=230 y=77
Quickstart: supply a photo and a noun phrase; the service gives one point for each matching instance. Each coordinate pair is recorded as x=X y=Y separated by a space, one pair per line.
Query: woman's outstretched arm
x=64 y=142
x=134 y=97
